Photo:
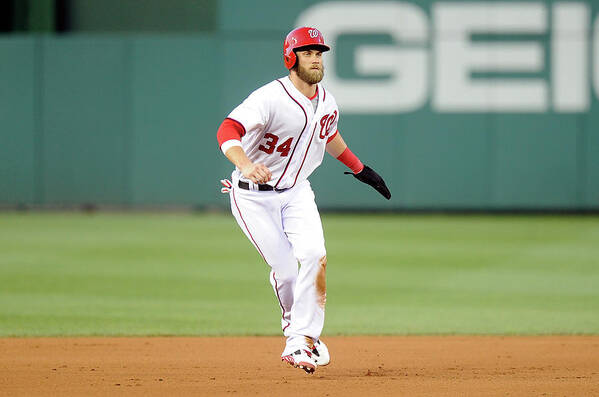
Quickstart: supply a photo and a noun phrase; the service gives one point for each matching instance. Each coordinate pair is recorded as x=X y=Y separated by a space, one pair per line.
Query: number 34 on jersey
x=271 y=140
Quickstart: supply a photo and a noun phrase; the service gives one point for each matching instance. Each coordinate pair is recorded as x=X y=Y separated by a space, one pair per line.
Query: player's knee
x=284 y=278
x=316 y=257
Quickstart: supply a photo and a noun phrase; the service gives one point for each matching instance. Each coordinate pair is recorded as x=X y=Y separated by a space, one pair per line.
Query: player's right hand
x=257 y=173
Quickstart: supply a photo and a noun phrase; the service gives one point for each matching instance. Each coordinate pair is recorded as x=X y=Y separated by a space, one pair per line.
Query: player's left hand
x=370 y=177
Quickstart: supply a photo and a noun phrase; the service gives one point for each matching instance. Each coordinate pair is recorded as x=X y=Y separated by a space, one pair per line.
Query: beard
x=310 y=76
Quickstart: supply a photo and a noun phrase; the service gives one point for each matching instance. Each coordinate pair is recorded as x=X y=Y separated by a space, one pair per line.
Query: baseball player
x=276 y=138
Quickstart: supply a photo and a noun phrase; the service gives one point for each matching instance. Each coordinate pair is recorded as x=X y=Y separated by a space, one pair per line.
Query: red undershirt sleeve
x=228 y=130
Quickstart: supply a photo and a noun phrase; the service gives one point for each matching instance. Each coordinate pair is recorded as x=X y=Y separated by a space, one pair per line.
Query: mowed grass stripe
x=196 y=274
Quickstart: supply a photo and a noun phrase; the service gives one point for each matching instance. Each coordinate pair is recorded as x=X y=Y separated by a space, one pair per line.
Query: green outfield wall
x=459 y=105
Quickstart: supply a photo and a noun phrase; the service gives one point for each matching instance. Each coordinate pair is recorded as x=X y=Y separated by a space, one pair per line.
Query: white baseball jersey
x=284 y=132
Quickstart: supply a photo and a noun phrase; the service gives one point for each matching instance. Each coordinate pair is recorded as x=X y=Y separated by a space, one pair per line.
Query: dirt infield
x=361 y=366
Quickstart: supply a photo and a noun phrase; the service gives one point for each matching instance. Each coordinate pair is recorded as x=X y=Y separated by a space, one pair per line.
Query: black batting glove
x=370 y=177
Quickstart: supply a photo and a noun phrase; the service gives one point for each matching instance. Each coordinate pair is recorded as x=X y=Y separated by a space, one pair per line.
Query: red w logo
x=325 y=124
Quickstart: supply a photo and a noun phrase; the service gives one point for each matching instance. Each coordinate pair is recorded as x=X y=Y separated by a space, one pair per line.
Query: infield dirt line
x=361 y=366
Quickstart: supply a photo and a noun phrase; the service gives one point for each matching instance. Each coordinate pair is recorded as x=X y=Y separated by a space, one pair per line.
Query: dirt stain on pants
x=321 y=282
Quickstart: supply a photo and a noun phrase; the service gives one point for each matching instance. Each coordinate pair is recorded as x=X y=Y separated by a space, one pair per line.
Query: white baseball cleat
x=301 y=358
x=320 y=353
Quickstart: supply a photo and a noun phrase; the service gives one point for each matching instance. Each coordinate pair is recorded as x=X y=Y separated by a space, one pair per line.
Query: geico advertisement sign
x=436 y=57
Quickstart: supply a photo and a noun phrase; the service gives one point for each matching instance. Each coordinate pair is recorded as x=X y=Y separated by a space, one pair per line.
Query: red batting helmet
x=301 y=37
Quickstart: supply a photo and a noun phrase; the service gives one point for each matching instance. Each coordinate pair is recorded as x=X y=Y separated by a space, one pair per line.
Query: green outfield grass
x=178 y=274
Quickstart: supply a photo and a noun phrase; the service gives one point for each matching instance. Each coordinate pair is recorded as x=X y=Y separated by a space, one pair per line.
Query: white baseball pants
x=285 y=228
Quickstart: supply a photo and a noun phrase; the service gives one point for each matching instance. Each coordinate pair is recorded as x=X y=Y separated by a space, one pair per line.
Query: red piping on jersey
x=247 y=228
x=305 y=155
x=324 y=94
x=279 y=298
x=315 y=93
x=298 y=139
x=332 y=136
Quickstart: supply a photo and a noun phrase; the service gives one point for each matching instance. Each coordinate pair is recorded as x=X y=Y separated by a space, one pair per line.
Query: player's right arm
x=229 y=138
x=257 y=173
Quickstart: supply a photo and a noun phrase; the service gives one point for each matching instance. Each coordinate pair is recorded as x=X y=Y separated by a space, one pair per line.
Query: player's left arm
x=337 y=148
